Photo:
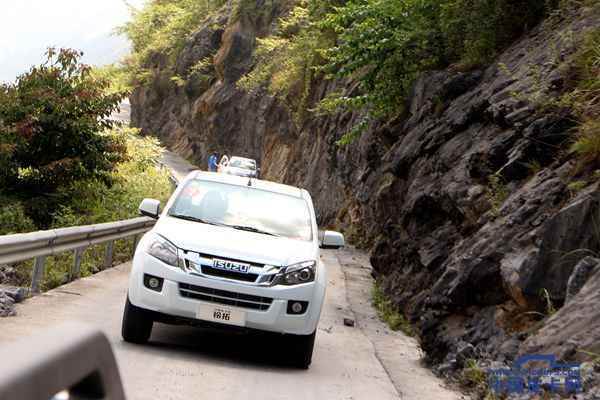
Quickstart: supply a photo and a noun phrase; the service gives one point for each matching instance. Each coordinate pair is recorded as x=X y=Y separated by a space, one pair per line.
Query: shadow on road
x=244 y=349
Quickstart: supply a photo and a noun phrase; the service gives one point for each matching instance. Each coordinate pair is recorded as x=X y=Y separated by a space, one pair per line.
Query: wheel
x=302 y=349
x=137 y=325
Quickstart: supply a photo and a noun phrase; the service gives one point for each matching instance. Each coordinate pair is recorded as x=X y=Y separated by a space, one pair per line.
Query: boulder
x=18 y=294
x=7 y=305
x=574 y=331
x=580 y=275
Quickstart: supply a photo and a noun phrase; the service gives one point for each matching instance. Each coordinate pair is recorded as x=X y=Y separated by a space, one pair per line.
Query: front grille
x=225 y=297
x=238 y=276
x=212 y=256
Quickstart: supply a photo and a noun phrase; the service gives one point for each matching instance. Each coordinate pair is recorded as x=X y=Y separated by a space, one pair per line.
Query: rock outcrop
x=464 y=202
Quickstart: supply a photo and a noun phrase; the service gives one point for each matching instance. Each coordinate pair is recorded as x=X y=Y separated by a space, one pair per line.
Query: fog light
x=297 y=307
x=153 y=282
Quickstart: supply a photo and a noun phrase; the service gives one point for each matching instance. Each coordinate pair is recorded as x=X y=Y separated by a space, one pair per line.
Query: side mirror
x=332 y=240
x=150 y=208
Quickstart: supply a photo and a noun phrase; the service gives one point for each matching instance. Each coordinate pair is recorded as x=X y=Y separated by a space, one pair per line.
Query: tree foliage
x=387 y=43
x=286 y=61
x=51 y=124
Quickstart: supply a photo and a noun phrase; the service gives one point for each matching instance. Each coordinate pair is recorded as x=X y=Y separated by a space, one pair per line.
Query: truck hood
x=239 y=171
x=235 y=244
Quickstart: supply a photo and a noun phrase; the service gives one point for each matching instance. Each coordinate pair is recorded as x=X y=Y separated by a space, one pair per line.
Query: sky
x=29 y=27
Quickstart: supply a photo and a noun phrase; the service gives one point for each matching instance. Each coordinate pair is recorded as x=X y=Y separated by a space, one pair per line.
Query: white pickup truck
x=233 y=251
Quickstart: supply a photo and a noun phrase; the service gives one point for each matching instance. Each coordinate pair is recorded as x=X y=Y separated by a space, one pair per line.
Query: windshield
x=240 y=163
x=244 y=208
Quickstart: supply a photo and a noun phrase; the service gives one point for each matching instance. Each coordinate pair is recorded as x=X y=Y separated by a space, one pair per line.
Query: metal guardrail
x=39 y=245
x=73 y=359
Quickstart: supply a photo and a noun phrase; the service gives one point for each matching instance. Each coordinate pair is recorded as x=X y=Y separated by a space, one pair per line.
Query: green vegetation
x=94 y=201
x=577 y=186
x=52 y=121
x=63 y=163
x=497 y=192
x=286 y=61
x=383 y=45
x=534 y=167
x=388 y=312
x=13 y=218
x=584 y=99
x=550 y=308
x=473 y=374
x=158 y=32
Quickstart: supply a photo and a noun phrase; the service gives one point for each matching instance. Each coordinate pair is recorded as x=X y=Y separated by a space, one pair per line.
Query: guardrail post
x=76 y=268
x=38 y=273
x=108 y=254
x=136 y=241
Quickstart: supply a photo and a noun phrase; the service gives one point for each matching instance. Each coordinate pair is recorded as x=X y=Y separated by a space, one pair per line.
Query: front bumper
x=275 y=318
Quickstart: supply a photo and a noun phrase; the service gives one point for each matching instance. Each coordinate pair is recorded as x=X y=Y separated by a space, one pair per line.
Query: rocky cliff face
x=464 y=203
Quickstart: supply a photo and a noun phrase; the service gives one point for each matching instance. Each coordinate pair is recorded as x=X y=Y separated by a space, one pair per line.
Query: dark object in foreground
x=72 y=358
x=349 y=322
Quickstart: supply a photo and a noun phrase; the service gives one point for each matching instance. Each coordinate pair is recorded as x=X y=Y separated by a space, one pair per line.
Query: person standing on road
x=223 y=163
x=212 y=162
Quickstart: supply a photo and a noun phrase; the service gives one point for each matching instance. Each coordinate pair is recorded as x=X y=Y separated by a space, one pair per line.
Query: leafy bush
x=387 y=43
x=286 y=60
x=13 y=218
x=93 y=201
x=51 y=121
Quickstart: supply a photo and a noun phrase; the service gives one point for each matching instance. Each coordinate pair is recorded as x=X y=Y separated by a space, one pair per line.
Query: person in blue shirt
x=212 y=162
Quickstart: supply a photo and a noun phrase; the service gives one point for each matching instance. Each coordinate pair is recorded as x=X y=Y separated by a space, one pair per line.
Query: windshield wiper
x=252 y=229
x=194 y=219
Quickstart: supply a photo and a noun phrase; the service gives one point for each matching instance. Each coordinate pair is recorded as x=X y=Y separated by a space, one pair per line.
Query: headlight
x=296 y=274
x=165 y=251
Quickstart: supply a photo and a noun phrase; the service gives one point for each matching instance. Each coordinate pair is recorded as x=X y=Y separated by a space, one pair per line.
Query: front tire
x=137 y=324
x=302 y=350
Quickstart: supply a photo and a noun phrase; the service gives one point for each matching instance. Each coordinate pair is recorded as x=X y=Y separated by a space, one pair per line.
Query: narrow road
x=189 y=363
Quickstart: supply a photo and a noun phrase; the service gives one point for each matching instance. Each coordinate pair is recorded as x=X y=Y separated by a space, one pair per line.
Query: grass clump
x=473 y=375
x=584 y=100
x=550 y=308
x=497 y=193
x=388 y=313
x=577 y=186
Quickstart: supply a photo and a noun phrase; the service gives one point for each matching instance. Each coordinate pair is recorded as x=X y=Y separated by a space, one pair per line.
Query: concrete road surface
x=362 y=362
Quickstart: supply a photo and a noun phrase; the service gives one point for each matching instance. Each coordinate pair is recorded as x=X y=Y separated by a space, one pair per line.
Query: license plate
x=222 y=315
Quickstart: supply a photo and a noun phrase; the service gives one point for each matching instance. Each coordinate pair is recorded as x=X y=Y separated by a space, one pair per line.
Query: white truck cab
x=232 y=251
